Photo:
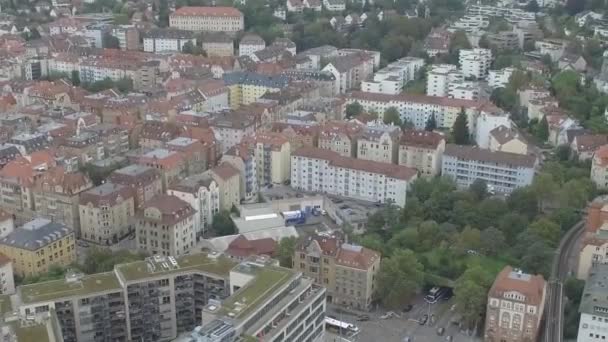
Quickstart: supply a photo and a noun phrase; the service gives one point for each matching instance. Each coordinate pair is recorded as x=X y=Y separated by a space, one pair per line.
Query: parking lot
x=396 y=329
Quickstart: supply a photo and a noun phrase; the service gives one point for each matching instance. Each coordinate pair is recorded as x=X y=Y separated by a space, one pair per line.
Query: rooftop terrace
x=69 y=287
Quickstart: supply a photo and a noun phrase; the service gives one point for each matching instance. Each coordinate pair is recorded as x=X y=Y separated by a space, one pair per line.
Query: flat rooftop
x=56 y=289
x=267 y=280
x=216 y=265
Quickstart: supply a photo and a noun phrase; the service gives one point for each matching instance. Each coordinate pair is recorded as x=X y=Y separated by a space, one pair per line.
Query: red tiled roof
x=601 y=156
x=356 y=257
x=424 y=139
x=4 y=259
x=242 y=247
x=225 y=171
x=531 y=286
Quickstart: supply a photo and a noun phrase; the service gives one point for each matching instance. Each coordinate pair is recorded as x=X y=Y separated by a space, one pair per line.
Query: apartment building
x=439 y=77
x=171 y=164
x=340 y=137
x=55 y=196
x=500 y=78
x=272 y=153
x=37 y=245
x=247 y=87
x=115 y=139
x=7 y=280
x=143 y=73
x=594 y=306
x=347 y=271
x=218 y=44
x=290 y=307
x=242 y=159
x=475 y=63
x=594 y=245
x=106 y=213
x=422 y=150
x=319 y=170
x=231 y=127
x=222 y=19
x=505 y=139
x=503 y=171
x=251 y=43
x=599 y=167
x=145 y=181
x=516 y=302
x=392 y=78
x=151 y=300
x=7 y=223
x=465 y=90
x=503 y=40
x=127 y=35
x=228 y=180
x=194 y=152
x=203 y=194
x=350 y=70
x=167 y=40
x=378 y=142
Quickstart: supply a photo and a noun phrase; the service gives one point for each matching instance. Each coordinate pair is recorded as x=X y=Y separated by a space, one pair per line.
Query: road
x=554 y=306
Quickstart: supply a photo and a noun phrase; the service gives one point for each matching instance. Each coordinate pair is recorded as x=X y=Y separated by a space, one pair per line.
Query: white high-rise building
x=475 y=62
x=439 y=78
x=500 y=78
x=593 y=326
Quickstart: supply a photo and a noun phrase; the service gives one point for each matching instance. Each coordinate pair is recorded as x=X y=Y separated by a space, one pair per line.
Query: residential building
x=516 y=303
x=145 y=181
x=222 y=19
x=503 y=40
x=218 y=44
x=421 y=150
x=166 y=226
x=594 y=243
x=500 y=78
x=319 y=170
x=392 y=78
x=593 y=307
x=167 y=40
x=38 y=245
x=228 y=180
x=298 y=133
x=572 y=62
x=272 y=154
x=242 y=248
x=505 y=139
x=340 y=137
x=348 y=272
x=334 y=5
x=465 y=90
x=203 y=194
x=475 y=63
x=171 y=164
x=194 y=152
x=291 y=308
x=599 y=167
x=241 y=158
x=437 y=42
x=485 y=123
x=106 y=213
x=502 y=171
x=247 y=87
x=379 y=142
x=231 y=127
x=251 y=43
x=127 y=35
x=350 y=70
x=7 y=280
x=584 y=145
x=7 y=223
x=155 y=299
x=439 y=77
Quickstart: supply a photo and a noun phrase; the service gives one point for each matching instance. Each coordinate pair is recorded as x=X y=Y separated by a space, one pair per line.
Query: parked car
x=363 y=318
x=423 y=319
x=82 y=243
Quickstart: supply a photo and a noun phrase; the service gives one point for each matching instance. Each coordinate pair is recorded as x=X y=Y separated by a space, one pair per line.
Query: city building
x=228 y=180
x=503 y=40
x=272 y=154
x=500 y=78
x=217 y=44
x=127 y=35
x=203 y=194
x=502 y=171
x=475 y=63
x=167 y=40
x=7 y=223
x=171 y=164
x=222 y=19
x=155 y=299
x=594 y=306
x=145 y=181
x=585 y=145
x=7 y=279
x=421 y=150
x=439 y=77
x=166 y=226
x=465 y=90
x=350 y=70
x=242 y=248
x=241 y=158
x=340 y=137
x=106 y=213
x=348 y=272
x=247 y=87
x=379 y=142
x=505 y=139
x=516 y=302
x=392 y=78
x=194 y=153
x=38 y=245
x=599 y=167
x=319 y=170
x=251 y=43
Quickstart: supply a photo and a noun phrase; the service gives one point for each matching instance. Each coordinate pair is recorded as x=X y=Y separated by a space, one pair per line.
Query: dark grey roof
x=252 y=38
x=251 y=78
x=36 y=234
x=216 y=37
x=478 y=154
x=595 y=296
x=168 y=33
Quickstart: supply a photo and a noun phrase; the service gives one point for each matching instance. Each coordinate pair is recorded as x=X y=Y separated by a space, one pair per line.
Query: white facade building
x=215 y=19
x=475 y=62
x=167 y=40
x=251 y=43
x=203 y=194
x=486 y=122
x=439 y=77
x=314 y=169
x=465 y=90
x=593 y=326
x=500 y=78
x=392 y=78
x=7 y=280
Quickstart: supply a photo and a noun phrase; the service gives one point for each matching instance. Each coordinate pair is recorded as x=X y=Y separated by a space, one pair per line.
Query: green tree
x=163 y=13
x=532 y=6
x=75 y=77
x=353 y=109
x=469 y=239
x=470 y=294
x=431 y=123
x=124 y=85
x=545 y=187
x=399 y=279
x=100 y=260
x=479 y=189
x=222 y=224
x=511 y=225
x=542 y=133
x=493 y=241
x=285 y=251
x=546 y=229
x=110 y=42
x=524 y=201
x=458 y=42
x=391 y=116
x=460 y=131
